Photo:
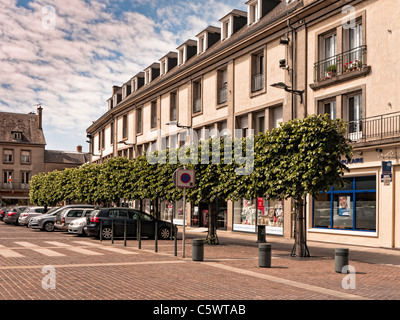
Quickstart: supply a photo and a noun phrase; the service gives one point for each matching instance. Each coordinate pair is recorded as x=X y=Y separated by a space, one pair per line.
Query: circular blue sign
x=185 y=178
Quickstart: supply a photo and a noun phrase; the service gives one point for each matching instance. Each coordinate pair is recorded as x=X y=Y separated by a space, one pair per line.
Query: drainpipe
x=293 y=75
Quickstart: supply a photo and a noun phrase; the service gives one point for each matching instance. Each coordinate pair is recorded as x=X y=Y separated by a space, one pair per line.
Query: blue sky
x=67 y=55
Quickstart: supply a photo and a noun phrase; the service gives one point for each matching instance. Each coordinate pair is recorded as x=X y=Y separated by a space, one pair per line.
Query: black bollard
x=197 y=249
x=264 y=255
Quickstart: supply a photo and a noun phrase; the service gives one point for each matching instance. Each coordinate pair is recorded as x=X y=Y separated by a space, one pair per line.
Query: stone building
x=22 y=147
x=278 y=61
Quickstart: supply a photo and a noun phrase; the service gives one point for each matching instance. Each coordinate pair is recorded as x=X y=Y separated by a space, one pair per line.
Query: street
x=36 y=265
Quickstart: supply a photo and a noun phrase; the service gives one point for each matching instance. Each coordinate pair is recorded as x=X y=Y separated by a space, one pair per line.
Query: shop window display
x=350 y=208
x=248 y=214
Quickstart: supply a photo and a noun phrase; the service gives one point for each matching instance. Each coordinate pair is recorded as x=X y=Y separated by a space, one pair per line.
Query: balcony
x=257 y=82
x=15 y=186
x=375 y=128
x=342 y=67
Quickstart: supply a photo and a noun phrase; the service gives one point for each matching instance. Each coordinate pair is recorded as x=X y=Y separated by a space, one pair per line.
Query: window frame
x=197 y=85
x=10 y=161
x=353 y=192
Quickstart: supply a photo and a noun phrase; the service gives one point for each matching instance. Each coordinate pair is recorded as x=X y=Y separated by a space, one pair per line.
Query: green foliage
x=301 y=157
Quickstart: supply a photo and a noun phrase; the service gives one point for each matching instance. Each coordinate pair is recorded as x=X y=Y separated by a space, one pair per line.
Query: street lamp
x=281 y=85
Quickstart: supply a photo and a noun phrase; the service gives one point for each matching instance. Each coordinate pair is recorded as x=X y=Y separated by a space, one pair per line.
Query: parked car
x=119 y=215
x=66 y=216
x=11 y=216
x=47 y=221
x=3 y=212
x=30 y=213
x=77 y=226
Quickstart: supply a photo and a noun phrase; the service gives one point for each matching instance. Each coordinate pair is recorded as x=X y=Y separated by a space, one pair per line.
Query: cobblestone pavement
x=87 y=269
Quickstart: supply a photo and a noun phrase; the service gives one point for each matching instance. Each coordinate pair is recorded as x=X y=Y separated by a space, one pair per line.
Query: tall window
x=327 y=54
x=173 y=106
x=25 y=157
x=257 y=71
x=275 y=117
x=328 y=108
x=350 y=208
x=112 y=133
x=25 y=178
x=139 y=124
x=197 y=96
x=353 y=114
x=222 y=96
x=8 y=179
x=153 y=114
x=103 y=143
x=8 y=156
x=125 y=127
x=352 y=43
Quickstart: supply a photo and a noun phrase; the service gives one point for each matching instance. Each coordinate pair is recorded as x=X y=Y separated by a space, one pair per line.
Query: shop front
x=364 y=212
x=200 y=214
x=249 y=214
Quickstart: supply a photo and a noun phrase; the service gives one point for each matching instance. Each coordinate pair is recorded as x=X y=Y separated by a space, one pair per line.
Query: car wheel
x=48 y=226
x=164 y=233
x=106 y=233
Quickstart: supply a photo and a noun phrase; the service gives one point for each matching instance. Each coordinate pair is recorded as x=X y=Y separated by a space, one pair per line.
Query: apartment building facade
x=24 y=154
x=231 y=78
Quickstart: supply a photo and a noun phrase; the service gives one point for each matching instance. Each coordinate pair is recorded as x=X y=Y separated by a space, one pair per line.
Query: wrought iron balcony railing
x=352 y=60
x=375 y=128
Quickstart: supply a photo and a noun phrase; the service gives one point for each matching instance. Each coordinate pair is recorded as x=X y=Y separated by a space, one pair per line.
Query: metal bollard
x=261 y=234
x=264 y=255
x=101 y=230
x=341 y=259
x=125 y=233
x=175 y=241
x=156 y=237
x=112 y=231
x=139 y=234
x=197 y=249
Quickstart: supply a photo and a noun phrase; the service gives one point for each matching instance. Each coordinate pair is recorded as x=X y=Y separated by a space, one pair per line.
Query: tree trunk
x=300 y=248
x=212 y=237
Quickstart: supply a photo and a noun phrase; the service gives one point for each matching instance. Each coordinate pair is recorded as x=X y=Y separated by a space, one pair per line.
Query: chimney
x=79 y=149
x=40 y=117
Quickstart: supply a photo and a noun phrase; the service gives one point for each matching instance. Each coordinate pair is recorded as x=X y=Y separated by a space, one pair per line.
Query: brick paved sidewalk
x=87 y=269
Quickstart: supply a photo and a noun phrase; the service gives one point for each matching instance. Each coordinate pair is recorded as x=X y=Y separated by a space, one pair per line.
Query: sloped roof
x=65 y=157
x=18 y=122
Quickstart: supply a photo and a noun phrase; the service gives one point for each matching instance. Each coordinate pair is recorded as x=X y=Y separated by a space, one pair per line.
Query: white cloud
x=71 y=69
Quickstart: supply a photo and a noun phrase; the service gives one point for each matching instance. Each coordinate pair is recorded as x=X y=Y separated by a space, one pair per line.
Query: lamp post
x=281 y=85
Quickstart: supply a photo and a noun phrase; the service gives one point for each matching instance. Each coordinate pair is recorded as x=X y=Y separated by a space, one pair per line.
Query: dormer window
x=202 y=44
x=226 y=32
x=17 y=135
x=147 y=77
x=163 y=67
x=253 y=11
x=181 y=56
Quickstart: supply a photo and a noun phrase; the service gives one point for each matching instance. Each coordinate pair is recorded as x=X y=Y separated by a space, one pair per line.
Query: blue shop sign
x=353 y=161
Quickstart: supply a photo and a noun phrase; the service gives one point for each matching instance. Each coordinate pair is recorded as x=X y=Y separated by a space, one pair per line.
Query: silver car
x=66 y=216
x=30 y=213
x=47 y=221
x=77 y=225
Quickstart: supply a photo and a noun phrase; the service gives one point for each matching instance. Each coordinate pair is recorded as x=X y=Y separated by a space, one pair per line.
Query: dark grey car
x=12 y=215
